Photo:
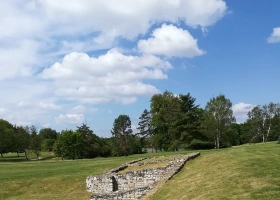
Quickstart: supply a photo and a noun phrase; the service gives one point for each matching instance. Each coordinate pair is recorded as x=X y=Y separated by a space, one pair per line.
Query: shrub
x=198 y=144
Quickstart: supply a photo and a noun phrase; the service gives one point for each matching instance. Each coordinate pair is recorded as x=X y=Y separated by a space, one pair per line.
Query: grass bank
x=52 y=178
x=244 y=172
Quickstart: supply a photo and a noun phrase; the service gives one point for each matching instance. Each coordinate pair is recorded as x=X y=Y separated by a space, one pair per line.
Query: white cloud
x=47 y=126
x=17 y=59
x=79 y=109
x=240 y=111
x=23 y=104
x=37 y=33
x=22 y=117
x=31 y=31
x=52 y=17
x=110 y=111
x=28 y=101
x=170 y=41
x=113 y=77
x=70 y=119
x=275 y=36
x=134 y=128
x=48 y=106
x=82 y=109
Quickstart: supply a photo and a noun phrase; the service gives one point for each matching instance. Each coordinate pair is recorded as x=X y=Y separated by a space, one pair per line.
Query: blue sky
x=68 y=62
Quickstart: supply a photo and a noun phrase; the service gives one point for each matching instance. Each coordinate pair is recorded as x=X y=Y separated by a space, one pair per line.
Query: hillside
x=243 y=172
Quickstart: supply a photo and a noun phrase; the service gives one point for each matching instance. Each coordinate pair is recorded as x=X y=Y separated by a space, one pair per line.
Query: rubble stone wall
x=132 y=184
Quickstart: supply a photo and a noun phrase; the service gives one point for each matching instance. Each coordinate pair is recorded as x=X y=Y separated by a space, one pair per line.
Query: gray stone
x=133 y=184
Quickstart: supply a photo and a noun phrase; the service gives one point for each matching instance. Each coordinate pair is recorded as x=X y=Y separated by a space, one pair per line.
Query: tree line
x=172 y=123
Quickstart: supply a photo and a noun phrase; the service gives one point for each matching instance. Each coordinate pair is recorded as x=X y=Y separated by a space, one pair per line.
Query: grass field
x=244 y=172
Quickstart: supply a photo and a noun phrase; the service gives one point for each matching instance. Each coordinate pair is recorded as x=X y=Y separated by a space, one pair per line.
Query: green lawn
x=52 y=178
x=244 y=172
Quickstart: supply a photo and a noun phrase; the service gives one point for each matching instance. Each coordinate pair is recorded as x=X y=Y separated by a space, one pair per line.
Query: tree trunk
x=17 y=154
x=1 y=155
x=37 y=154
x=268 y=131
x=25 y=153
x=152 y=146
x=218 y=142
x=263 y=139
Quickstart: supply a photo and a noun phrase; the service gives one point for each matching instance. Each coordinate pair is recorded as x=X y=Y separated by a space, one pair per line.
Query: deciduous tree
x=218 y=116
x=91 y=142
x=261 y=120
x=35 y=141
x=6 y=136
x=21 y=140
x=165 y=109
x=69 y=145
x=48 y=137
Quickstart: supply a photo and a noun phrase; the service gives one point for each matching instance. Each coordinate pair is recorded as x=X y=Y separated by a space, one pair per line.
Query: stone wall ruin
x=134 y=184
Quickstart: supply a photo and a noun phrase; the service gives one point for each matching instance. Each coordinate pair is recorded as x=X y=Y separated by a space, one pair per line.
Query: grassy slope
x=245 y=172
x=52 y=179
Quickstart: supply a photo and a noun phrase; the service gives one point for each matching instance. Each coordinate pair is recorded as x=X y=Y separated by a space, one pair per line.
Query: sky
x=68 y=62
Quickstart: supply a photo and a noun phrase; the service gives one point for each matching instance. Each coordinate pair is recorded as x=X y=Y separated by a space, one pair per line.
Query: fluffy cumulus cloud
x=50 y=52
x=30 y=28
x=75 y=119
x=82 y=109
x=275 y=36
x=52 y=17
x=170 y=41
x=113 y=77
x=240 y=111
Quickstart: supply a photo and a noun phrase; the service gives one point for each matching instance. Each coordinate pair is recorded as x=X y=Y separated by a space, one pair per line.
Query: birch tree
x=218 y=116
x=261 y=120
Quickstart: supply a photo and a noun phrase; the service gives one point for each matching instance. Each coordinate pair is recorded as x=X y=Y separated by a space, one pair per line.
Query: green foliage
x=106 y=147
x=189 y=120
x=69 y=145
x=164 y=109
x=6 y=136
x=218 y=116
x=145 y=129
x=173 y=123
x=232 y=134
x=35 y=141
x=47 y=144
x=122 y=136
x=175 y=119
x=136 y=144
x=48 y=133
x=91 y=142
x=198 y=144
x=21 y=140
x=264 y=122
x=244 y=134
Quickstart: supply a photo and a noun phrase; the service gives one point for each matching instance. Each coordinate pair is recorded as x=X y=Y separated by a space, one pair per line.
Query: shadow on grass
x=22 y=159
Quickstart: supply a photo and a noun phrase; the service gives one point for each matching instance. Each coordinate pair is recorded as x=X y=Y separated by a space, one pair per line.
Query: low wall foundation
x=133 y=184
